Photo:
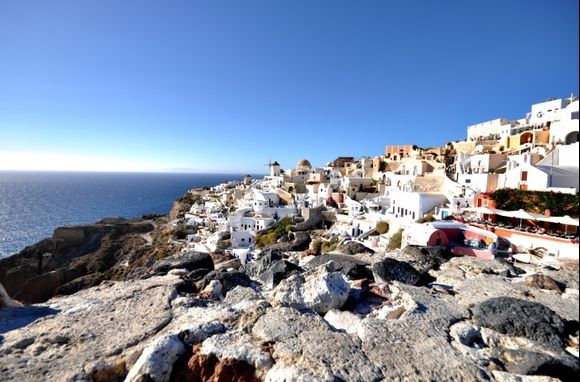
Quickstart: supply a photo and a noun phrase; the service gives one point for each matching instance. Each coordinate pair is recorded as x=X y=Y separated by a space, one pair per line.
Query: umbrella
x=521 y=214
x=565 y=221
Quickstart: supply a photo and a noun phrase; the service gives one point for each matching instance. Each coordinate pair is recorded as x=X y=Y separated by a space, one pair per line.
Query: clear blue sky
x=222 y=85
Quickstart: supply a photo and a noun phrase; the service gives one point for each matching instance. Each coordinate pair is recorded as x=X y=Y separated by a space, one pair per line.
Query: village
x=509 y=189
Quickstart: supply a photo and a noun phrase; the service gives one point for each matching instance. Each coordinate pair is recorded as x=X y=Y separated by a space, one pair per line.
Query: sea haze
x=33 y=204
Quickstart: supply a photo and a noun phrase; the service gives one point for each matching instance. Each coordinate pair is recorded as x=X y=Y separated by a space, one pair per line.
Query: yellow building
x=514 y=142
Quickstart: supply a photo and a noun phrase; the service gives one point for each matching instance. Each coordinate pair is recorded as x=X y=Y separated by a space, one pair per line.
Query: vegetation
x=279 y=229
x=396 y=240
x=382 y=227
x=426 y=219
x=538 y=202
x=181 y=231
x=330 y=245
x=317 y=246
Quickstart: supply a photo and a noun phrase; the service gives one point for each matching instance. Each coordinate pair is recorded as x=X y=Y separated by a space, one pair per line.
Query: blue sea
x=33 y=204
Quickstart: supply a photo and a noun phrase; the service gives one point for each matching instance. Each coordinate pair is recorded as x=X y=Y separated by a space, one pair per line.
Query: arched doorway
x=572 y=137
x=526 y=138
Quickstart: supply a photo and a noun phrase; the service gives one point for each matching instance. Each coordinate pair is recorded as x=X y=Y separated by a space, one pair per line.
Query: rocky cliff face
x=286 y=318
x=78 y=257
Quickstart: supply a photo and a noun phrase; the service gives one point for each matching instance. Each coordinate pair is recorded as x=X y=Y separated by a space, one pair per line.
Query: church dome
x=303 y=164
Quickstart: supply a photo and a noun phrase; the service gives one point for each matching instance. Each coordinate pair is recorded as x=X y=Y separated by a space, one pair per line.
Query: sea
x=33 y=204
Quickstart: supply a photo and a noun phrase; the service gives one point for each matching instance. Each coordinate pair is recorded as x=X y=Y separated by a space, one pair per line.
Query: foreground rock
x=321 y=322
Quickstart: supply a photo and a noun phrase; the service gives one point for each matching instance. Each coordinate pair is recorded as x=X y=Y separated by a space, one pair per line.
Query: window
x=467 y=181
x=524 y=177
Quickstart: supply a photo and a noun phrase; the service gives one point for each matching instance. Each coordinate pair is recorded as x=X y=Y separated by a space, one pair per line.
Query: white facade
x=557 y=172
x=565 y=129
x=489 y=130
x=478 y=171
x=414 y=205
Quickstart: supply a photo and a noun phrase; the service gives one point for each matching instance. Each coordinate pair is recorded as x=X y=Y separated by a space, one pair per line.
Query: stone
x=353 y=247
x=229 y=280
x=534 y=363
x=278 y=271
x=425 y=258
x=349 y=266
x=541 y=281
x=520 y=318
x=389 y=270
x=502 y=376
x=285 y=323
x=343 y=320
x=267 y=258
x=207 y=367
x=188 y=260
x=239 y=346
x=156 y=362
x=322 y=292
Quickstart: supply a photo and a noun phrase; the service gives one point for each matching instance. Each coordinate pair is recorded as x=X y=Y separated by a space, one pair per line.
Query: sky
x=223 y=86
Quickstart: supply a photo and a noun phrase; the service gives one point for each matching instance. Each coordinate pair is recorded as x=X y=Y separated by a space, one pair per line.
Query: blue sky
x=222 y=85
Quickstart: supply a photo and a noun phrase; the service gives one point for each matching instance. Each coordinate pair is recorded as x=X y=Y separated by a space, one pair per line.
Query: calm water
x=33 y=204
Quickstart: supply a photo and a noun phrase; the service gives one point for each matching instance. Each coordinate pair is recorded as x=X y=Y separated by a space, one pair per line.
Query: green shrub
x=538 y=202
x=382 y=227
x=426 y=219
x=330 y=245
x=290 y=228
x=317 y=245
x=395 y=241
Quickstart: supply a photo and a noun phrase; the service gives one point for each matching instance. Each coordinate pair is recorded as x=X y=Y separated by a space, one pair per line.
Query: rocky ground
x=118 y=300
x=413 y=315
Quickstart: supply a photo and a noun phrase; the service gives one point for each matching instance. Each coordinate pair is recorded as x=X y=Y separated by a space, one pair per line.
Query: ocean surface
x=33 y=204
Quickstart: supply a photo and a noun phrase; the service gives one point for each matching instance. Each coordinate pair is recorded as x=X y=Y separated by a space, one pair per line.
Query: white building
x=480 y=172
x=557 y=172
x=489 y=130
x=414 y=205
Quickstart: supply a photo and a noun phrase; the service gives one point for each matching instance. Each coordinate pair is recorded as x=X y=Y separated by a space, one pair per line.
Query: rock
x=277 y=272
x=343 y=320
x=502 y=376
x=541 y=281
x=263 y=263
x=203 y=367
x=533 y=363
x=296 y=242
x=238 y=346
x=188 y=260
x=519 y=318
x=285 y=323
x=349 y=266
x=322 y=292
x=200 y=333
x=220 y=257
x=5 y=300
x=229 y=280
x=425 y=258
x=156 y=362
x=215 y=288
x=353 y=248
x=80 y=329
x=389 y=270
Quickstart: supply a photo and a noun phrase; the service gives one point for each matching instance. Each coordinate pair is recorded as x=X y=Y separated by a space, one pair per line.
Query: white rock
x=157 y=360
x=340 y=320
x=329 y=291
x=215 y=287
x=238 y=346
x=502 y=376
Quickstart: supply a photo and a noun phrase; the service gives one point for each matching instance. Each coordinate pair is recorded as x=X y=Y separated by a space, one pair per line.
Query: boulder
x=541 y=281
x=343 y=320
x=349 y=266
x=389 y=270
x=277 y=272
x=156 y=361
x=425 y=258
x=525 y=362
x=322 y=291
x=520 y=318
x=188 y=260
x=354 y=247
x=229 y=280
x=261 y=265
